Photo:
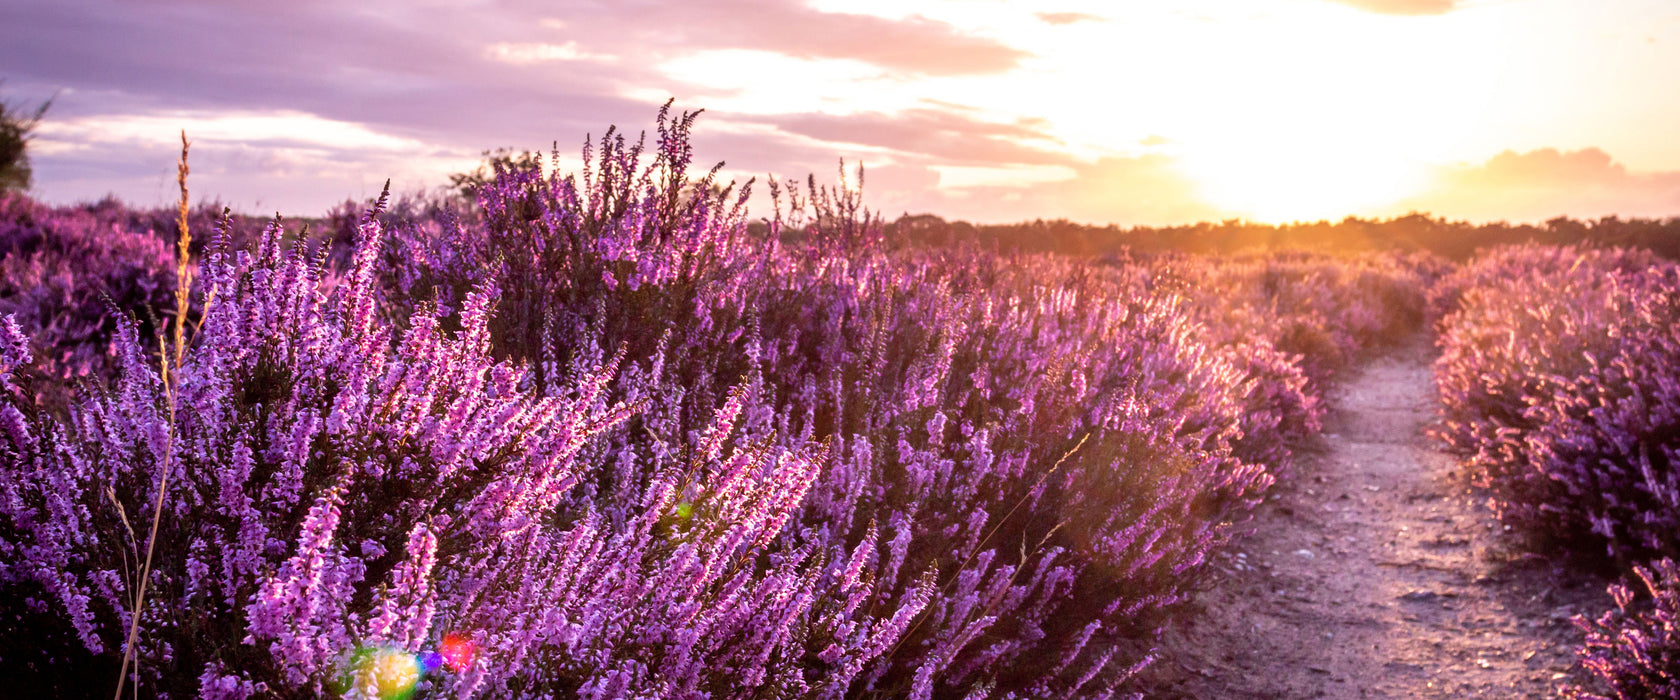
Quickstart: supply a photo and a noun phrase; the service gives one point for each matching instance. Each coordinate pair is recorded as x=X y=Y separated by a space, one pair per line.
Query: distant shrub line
x=1457 y=241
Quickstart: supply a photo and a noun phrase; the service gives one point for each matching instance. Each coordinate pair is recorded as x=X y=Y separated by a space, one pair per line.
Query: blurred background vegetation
x=16 y=124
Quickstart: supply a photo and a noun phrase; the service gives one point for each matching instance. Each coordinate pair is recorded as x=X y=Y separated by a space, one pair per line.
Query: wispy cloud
x=936 y=134
x=1063 y=18
x=540 y=52
x=1402 y=7
x=914 y=45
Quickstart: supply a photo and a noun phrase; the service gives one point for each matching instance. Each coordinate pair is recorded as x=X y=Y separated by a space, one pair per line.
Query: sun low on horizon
x=1129 y=113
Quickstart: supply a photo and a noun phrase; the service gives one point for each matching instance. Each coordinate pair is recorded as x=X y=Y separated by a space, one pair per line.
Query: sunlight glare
x=1276 y=109
x=1281 y=182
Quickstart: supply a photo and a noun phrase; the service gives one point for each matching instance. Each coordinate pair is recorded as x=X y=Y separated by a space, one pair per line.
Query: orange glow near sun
x=1316 y=111
x=1276 y=111
x=1280 y=185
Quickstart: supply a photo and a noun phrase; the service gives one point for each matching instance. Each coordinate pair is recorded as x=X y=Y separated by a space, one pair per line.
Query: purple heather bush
x=966 y=392
x=600 y=433
x=946 y=387
x=1635 y=651
x=1558 y=390
x=342 y=484
x=67 y=275
x=622 y=249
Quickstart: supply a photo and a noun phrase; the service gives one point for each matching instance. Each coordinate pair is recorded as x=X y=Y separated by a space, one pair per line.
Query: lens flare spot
x=386 y=672
x=431 y=661
x=457 y=652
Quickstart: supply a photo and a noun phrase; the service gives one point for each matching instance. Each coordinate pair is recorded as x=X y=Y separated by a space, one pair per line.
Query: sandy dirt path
x=1374 y=571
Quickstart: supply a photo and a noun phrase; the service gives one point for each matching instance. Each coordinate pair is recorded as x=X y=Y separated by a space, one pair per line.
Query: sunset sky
x=1100 y=111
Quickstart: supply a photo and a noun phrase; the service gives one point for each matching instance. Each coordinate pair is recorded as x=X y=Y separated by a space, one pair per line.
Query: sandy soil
x=1376 y=572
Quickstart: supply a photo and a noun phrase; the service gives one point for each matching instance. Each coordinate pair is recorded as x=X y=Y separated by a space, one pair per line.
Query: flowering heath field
x=606 y=434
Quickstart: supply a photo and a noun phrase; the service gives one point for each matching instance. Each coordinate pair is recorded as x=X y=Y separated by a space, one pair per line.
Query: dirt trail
x=1375 y=572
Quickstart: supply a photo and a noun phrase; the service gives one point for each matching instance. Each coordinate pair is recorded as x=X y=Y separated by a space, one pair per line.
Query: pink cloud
x=1540 y=184
x=943 y=134
x=913 y=44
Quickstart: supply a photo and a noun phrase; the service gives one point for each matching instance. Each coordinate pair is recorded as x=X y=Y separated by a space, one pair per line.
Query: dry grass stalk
x=166 y=363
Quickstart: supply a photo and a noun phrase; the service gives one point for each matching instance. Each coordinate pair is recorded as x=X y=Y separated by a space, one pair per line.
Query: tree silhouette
x=16 y=123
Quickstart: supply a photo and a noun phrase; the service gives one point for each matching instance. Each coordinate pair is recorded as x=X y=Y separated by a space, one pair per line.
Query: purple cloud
x=914 y=45
x=451 y=79
x=435 y=71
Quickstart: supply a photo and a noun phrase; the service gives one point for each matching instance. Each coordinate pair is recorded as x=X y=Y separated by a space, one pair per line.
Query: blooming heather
x=343 y=483
x=597 y=436
x=1634 y=650
x=69 y=275
x=1558 y=389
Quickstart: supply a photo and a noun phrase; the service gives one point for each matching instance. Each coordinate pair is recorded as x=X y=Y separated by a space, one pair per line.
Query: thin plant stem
x=183 y=283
